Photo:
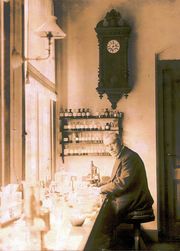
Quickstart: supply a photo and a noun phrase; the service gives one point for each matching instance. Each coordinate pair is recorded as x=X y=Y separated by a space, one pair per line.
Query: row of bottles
x=83 y=137
x=86 y=112
x=76 y=113
x=90 y=150
x=91 y=125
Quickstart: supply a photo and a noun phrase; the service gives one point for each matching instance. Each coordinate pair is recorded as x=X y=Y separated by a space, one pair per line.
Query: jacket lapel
x=116 y=164
x=115 y=167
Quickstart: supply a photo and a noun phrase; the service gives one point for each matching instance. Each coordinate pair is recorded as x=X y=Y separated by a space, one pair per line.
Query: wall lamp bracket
x=39 y=58
x=49 y=30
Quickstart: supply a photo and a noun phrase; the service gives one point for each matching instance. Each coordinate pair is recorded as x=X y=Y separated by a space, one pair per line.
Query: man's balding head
x=112 y=141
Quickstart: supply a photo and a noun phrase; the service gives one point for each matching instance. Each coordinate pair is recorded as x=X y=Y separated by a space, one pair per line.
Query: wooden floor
x=125 y=242
x=164 y=246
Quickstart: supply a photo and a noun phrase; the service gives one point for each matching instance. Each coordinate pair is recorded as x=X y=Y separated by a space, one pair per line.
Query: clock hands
x=113 y=46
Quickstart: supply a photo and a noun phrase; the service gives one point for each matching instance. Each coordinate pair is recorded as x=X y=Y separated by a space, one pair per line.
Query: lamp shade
x=50 y=27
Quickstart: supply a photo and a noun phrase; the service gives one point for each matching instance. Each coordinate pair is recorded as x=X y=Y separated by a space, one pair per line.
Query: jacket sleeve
x=125 y=177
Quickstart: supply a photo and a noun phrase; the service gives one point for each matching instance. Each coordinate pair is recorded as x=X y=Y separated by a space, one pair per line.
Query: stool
x=136 y=218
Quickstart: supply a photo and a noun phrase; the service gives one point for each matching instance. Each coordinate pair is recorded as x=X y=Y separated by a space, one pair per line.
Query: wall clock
x=113 y=34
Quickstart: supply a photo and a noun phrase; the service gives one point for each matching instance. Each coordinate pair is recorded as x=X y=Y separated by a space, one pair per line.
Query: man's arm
x=104 y=180
x=126 y=176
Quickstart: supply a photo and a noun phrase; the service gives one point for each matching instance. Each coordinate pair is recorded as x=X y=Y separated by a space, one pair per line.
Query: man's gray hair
x=111 y=137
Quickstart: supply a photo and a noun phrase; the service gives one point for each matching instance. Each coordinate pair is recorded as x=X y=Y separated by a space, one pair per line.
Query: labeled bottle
x=103 y=126
x=83 y=112
x=77 y=138
x=80 y=137
x=111 y=114
x=73 y=126
x=119 y=114
x=107 y=126
x=66 y=151
x=66 y=126
x=61 y=114
x=106 y=113
x=91 y=126
x=66 y=114
x=79 y=114
x=77 y=126
x=70 y=138
x=74 y=113
x=88 y=112
x=115 y=114
x=69 y=127
x=66 y=139
x=70 y=113
x=111 y=125
x=102 y=114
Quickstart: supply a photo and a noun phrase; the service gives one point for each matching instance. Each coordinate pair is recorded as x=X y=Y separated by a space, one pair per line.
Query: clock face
x=113 y=46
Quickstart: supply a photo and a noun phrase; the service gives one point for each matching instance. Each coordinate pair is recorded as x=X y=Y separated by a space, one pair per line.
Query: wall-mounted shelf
x=83 y=136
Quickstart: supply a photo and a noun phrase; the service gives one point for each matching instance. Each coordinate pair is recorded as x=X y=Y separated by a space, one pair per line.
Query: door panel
x=169 y=147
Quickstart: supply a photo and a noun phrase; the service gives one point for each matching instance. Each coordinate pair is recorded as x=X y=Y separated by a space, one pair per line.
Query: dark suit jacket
x=128 y=188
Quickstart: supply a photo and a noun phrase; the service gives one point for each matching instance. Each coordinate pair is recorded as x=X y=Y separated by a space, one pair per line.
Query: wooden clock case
x=113 y=62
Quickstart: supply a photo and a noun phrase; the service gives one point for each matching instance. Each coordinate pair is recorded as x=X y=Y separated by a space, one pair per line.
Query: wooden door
x=168 y=132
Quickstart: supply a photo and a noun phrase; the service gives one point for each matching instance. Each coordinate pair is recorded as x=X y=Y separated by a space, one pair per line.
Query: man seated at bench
x=127 y=189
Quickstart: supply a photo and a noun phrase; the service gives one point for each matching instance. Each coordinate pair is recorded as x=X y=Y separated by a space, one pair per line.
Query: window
x=40 y=131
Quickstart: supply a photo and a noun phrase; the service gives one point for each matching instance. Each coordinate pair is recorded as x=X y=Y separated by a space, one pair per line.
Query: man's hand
x=96 y=190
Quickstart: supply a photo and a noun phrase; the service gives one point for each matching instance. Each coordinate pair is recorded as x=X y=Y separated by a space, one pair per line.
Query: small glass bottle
x=70 y=113
x=102 y=115
x=111 y=113
x=73 y=137
x=88 y=112
x=83 y=112
x=71 y=151
x=103 y=126
x=107 y=126
x=90 y=126
x=77 y=126
x=75 y=151
x=66 y=139
x=65 y=126
x=74 y=113
x=81 y=126
x=80 y=137
x=115 y=114
x=119 y=114
x=66 y=114
x=66 y=151
x=61 y=114
x=106 y=113
x=79 y=114
x=77 y=138
x=69 y=126
x=86 y=126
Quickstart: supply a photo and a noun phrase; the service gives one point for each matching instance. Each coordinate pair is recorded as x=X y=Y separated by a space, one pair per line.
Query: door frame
x=162 y=202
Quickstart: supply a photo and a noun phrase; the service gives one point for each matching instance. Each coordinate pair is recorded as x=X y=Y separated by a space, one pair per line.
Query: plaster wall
x=155 y=30
x=37 y=14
